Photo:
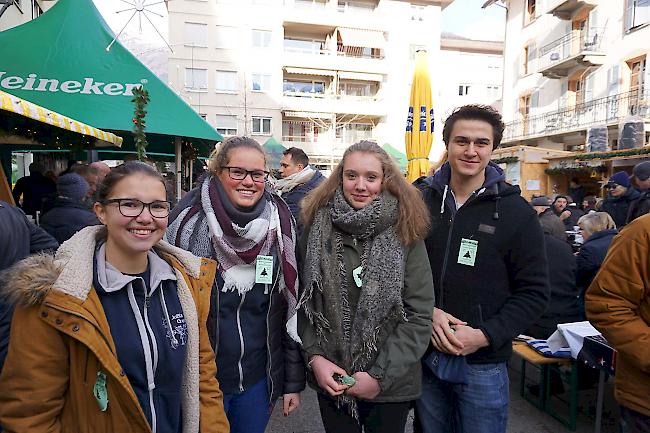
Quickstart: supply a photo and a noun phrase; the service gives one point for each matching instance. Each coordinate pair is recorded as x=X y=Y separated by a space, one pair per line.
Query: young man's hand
x=442 y=334
x=472 y=339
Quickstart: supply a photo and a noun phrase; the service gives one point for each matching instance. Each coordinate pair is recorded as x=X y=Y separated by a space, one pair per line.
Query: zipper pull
x=147 y=301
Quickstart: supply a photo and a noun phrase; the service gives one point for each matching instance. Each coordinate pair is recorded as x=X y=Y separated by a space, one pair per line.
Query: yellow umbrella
x=419 y=125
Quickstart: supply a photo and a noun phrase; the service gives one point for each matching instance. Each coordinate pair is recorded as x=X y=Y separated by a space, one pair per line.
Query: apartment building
x=316 y=74
x=472 y=74
x=16 y=12
x=573 y=68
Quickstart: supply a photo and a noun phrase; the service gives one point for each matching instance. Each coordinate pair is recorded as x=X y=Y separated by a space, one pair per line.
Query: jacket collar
x=75 y=260
x=112 y=280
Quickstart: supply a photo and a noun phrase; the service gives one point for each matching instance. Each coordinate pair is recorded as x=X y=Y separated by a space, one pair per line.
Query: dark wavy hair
x=475 y=112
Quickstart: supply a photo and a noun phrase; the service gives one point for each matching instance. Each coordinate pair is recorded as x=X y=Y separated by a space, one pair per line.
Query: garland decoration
x=575 y=170
x=506 y=160
x=614 y=153
x=140 y=99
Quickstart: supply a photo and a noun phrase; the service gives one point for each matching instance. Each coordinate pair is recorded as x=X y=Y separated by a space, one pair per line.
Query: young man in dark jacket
x=486 y=251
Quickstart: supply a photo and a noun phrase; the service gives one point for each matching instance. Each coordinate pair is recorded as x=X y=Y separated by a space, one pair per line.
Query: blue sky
x=466 y=18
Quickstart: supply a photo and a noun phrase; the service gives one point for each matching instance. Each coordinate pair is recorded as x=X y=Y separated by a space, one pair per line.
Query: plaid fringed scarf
x=351 y=339
x=207 y=230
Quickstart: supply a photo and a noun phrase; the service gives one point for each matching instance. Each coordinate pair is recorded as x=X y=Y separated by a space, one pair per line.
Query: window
x=463 y=89
x=261 y=38
x=306 y=46
x=196 y=34
x=531 y=9
x=494 y=92
x=359 y=89
x=356 y=6
x=261 y=125
x=226 y=124
x=528 y=57
x=637 y=13
x=226 y=81
x=261 y=82
x=226 y=37
x=304 y=88
x=418 y=13
x=196 y=79
x=353 y=132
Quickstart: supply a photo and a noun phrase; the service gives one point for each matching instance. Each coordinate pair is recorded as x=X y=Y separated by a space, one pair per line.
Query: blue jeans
x=481 y=406
x=248 y=412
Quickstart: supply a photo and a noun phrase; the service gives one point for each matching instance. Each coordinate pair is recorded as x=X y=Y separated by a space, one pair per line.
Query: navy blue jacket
x=619 y=207
x=591 y=256
x=506 y=290
x=295 y=196
x=171 y=347
x=18 y=239
x=67 y=217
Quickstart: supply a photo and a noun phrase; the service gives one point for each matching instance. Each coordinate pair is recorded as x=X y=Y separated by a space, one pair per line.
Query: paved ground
x=523 y=417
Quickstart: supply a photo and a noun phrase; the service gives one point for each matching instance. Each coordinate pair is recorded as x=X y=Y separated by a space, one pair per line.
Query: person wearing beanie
x=68 y=213
x=641 y=205
x=620 y=196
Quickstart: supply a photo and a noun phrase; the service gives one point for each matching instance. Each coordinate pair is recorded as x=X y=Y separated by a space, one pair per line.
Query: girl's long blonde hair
x=413 y=220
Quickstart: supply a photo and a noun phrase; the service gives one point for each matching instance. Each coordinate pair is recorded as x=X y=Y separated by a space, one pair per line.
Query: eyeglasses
x=611 y=186
x=238 y=173
x=132 y=207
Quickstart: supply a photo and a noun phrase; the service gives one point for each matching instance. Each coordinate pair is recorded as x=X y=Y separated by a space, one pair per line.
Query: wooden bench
x=545 y=365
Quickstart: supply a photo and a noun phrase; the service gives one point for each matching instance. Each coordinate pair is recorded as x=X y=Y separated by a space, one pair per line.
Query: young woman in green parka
x=366 y=293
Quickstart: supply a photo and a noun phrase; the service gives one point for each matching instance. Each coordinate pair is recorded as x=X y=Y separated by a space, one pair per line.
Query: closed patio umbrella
x=419 y=124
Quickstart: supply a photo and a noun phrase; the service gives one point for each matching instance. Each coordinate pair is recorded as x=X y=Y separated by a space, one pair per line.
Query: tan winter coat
x=618 y=304
x=60 y=340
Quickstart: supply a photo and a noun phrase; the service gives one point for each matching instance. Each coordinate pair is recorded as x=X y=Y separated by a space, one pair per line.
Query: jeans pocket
x=488 y=385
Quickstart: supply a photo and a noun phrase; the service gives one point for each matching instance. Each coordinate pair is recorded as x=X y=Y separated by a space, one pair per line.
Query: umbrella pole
x=178 y=149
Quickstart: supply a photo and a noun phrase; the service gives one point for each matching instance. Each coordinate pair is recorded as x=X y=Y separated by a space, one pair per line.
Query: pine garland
x=506 y=160
x=140 y=99
x=575 y=170
x=613 y=154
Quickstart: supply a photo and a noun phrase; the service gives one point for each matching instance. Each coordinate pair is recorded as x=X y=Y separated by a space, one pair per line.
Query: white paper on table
x=571 y=335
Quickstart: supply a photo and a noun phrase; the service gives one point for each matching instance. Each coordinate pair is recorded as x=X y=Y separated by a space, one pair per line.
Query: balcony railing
x=315 y=52
x=571 y=45
x=608 y=110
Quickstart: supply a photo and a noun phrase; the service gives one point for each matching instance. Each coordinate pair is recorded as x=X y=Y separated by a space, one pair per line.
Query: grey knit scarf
x=351 y=339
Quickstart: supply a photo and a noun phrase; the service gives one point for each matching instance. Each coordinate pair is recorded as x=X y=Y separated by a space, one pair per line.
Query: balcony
x=566 y=9
x=604 y=111
x=334 y=60
x=578 y=49
x=330 y=103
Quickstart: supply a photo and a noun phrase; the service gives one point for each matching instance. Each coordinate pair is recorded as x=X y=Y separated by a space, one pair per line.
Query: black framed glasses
x=132 y=207
x=238 y=173
x=611 y=186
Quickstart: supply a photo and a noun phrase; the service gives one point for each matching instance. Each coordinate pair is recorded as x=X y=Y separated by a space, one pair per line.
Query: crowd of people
x=381 y=295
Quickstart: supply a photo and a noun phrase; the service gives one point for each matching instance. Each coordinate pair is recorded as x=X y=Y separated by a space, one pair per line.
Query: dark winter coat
x=67 y=217
x=18 y=239
x=640 y=206
x=563 y=307
x=506 y=290
x=295 y=196
x=591 y=256
x=34 y=188
x=283 y=363
x=552 y=224
x=618 y=207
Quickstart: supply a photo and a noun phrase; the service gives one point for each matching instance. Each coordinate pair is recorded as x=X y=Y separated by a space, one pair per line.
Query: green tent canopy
x=401 y=159
x=60 y=61
x=274 y=151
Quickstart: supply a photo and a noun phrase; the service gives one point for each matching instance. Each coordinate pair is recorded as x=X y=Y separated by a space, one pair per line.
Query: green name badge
x=356 y=274
x=467 y=252
x=264 y=269
x=100 y=392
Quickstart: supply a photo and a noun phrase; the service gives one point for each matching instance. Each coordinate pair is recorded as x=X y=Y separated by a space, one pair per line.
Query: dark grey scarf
x=352 y=339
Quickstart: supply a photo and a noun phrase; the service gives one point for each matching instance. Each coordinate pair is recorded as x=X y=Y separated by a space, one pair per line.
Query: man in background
x=34 y=189
x=620 y=196
x=298 y=179
x=641 y=205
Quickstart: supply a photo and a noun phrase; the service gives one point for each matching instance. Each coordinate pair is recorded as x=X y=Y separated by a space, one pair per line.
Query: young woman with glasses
x=249 y=231
x=109 y=334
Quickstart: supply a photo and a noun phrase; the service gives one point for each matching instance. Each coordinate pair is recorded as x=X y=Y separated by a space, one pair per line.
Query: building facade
x=472 y=74
x=16 y=12
x=315 y=74
x=576 y=79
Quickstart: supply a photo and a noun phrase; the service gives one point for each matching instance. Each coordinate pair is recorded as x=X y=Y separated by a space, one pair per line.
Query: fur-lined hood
x=70 y=270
